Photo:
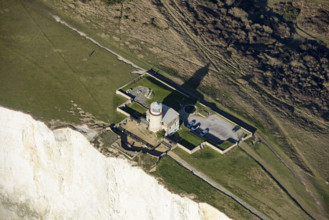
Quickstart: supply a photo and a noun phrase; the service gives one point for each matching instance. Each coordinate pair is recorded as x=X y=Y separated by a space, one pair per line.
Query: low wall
x=217 y=149
x=123 y=112
x=187 y=150
x=209 y=145
x=118 y=92
x=213 y=147
x=173 y=88
x=196 y=149
x=132 y=81
x=230 y=148
x=245 y=138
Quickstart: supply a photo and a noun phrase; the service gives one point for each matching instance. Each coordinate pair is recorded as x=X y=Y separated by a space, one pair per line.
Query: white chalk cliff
x=59 y=175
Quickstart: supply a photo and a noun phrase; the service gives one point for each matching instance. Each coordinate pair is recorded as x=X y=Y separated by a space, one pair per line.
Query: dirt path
x=214 y=184
x=208 y=55
x=205 y=51
x=58 y=19
x=185 y=29
x=298 y=175
x=267 y=169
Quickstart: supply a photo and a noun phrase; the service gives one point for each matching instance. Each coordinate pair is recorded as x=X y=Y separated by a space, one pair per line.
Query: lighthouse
x=154 y=116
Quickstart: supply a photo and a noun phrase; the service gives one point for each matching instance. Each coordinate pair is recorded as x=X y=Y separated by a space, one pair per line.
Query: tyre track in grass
x=256 y=158
x=205 y=51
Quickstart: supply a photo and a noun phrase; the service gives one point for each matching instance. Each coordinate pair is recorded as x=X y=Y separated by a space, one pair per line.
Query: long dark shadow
x=189 y=88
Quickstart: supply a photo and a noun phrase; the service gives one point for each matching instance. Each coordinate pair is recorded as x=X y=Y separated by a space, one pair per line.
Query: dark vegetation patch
x=296 y=71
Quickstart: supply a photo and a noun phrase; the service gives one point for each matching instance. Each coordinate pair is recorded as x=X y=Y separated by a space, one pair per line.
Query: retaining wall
x=118 y=92
x=123 y=112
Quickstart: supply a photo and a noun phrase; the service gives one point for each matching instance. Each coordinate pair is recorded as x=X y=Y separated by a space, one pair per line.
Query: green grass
x=203 y=110
x=161 y=92
x=160 y=133
x=240 y=174
x=138 y=108
x=184 y=137
x=283 y=174
x=180 y=180
x=44 y=65
x=224 y=145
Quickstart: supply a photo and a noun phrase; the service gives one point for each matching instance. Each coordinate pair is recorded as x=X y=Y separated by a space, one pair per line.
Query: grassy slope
x=278 y=169
x=237 y=172
x=24 y=63
x=44 y=65
x=179 y=180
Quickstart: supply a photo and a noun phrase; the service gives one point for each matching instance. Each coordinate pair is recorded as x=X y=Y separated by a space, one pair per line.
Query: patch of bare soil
x=314 y=18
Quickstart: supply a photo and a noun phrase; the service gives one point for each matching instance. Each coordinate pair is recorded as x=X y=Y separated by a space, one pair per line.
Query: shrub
x=160 y=134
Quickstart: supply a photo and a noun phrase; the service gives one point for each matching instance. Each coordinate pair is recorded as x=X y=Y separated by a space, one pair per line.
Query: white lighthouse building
x=163 y=117
x=154 y=118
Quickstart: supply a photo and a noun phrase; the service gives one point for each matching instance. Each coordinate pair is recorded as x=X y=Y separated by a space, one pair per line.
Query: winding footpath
x=214 y=184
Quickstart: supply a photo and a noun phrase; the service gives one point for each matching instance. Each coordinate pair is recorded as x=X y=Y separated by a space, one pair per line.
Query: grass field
x=286 y=177
x=240 y=174
x=44 y=65
x=181 y=181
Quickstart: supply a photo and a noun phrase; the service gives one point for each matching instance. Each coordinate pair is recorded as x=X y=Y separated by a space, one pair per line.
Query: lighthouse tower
x=154 y=116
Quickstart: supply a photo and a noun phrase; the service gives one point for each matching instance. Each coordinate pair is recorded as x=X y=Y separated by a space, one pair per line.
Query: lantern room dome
x=156 y=108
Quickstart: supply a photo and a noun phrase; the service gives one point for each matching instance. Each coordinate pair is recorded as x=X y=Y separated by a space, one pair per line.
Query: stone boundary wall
x=247 y=137
x=199 y=147
x=123 y=112
x=132 y=81
x=119 y=92
x=245 y=130
x=196 y=149
x=159 y=80
x=173 y=88
x=219 y=150
x=187 y=150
